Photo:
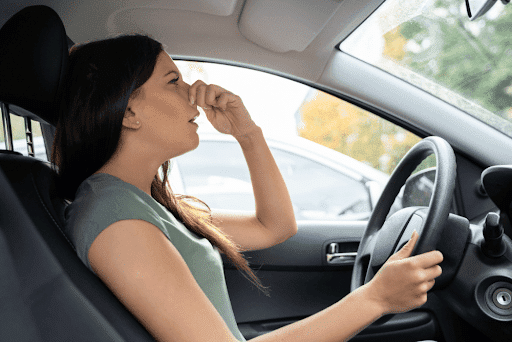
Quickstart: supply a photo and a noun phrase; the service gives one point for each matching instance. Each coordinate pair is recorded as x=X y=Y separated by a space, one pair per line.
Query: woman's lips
x=194 y=118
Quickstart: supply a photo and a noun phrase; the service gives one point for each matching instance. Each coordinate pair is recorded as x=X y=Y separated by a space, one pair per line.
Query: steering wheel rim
x=438 y=208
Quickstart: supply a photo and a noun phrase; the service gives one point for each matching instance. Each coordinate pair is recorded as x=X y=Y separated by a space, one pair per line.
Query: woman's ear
x=131 y=119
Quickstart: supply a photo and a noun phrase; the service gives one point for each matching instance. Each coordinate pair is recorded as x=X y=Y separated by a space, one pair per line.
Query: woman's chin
x=184 y=146
x=194 y=142
x=197 y=142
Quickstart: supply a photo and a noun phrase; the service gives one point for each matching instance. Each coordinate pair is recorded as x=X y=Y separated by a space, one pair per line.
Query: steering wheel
x=384 y=236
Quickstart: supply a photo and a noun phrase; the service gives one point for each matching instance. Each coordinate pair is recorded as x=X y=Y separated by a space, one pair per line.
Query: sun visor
x=285 y=25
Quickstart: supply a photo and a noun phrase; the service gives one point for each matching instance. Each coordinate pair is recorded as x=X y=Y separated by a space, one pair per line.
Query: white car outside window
x=321 y=188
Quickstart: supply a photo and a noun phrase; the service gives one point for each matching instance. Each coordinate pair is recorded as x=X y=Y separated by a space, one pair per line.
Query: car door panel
x=299 y=279
x=301 y=282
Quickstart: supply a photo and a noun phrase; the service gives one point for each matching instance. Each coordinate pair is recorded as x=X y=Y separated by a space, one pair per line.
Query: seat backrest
x=56 y=297
x=34 y=221
x=39 y=302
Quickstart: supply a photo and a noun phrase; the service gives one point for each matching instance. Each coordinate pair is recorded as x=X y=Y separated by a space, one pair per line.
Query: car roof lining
x=167 y=20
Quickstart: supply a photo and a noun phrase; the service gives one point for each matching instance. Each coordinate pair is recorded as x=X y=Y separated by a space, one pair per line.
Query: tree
x=353 y=131
x=472 y=58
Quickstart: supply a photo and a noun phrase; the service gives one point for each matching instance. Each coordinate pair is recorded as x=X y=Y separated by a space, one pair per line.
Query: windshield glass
x=433 y=45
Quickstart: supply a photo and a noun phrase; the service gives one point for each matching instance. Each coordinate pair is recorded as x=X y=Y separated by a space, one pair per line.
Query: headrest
x=33 y=61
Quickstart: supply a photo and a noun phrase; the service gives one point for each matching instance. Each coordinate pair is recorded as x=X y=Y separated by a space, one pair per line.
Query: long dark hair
x=102 y=76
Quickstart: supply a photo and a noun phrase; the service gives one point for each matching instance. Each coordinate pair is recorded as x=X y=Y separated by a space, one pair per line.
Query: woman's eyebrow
x=170 y=72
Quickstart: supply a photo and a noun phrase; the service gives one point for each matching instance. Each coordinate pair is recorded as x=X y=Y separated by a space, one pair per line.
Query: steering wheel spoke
x=369 y=246
x=415 y=224
x=370 y=273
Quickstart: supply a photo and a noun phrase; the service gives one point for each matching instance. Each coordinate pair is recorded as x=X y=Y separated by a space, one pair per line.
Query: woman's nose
x=187 y=94
x=186 y=88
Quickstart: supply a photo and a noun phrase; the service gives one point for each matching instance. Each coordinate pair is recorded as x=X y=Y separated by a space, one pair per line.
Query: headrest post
x=6 y=120
x=29 y=136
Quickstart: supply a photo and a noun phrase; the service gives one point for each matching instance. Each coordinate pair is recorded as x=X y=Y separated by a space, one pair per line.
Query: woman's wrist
x=369 y=293
x=248 y=136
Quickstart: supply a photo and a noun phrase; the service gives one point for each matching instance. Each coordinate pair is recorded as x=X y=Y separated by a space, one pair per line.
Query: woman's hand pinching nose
x=223 y=109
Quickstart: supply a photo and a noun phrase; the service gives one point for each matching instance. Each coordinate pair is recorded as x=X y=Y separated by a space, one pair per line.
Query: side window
x=19 y=137
x=340 y=176
x=348 y=129
x=366 y=137
x=319 y=192
x=216 y=172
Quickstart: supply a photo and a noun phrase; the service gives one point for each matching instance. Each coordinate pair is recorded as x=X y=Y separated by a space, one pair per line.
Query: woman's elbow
x=287 y=231
x=293 y=229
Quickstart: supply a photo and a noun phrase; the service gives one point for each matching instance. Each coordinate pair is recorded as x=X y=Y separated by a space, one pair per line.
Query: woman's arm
x=274 y=220
x=339 y=322
x=148 y=275
x=400 y=285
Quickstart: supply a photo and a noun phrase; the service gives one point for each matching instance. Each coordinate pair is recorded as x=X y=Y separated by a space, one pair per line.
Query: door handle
x=336 y=258
x=342 y=258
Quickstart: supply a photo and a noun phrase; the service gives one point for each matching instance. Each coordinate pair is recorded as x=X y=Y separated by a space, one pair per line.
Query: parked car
x=422 y=66
x=323 y=184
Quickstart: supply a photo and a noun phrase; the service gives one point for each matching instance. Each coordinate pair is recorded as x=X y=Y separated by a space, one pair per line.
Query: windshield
x=433 y=45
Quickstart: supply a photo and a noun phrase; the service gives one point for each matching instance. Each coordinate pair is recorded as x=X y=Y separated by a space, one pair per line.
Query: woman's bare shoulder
x=147 y=273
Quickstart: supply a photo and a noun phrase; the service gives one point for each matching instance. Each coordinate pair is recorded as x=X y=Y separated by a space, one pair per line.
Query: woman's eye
x=174 y=80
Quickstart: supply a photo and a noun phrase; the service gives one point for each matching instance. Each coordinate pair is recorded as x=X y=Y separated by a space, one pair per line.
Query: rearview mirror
x=477 y=8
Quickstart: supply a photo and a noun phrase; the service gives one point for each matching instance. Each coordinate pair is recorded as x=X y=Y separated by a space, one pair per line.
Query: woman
x=126 y=112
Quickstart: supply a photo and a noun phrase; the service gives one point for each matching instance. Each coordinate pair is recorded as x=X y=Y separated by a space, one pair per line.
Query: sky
x=272 y=101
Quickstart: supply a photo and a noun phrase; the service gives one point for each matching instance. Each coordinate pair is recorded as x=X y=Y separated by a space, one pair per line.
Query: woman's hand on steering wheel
x=402 y=282
x=225 y=110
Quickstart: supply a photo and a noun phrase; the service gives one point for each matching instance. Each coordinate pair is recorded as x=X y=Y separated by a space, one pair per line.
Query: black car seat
x=46 y=293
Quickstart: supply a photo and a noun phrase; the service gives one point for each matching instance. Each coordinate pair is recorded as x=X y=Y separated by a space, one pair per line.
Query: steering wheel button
x=502 y=298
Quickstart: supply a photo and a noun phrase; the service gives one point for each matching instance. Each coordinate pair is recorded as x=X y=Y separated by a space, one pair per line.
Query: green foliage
x=477 y=65
x=410 y=29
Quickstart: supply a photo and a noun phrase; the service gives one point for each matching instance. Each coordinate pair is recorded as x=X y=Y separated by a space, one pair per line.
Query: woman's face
x=164 y=111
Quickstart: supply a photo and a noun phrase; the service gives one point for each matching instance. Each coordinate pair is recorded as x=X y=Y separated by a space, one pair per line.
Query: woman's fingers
x=406 y=250
x=427 y=266
x=431 y=284
x=433 y=272
x=403 y=281
x=200 y=96
x=225 y=110
x=208 y=95
x=222 y=100
x=214 y=93
x=428 y=259
x=198 y=93
x=193 y=90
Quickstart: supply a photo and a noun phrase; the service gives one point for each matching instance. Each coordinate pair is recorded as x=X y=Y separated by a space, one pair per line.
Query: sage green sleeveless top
x=103 y=199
